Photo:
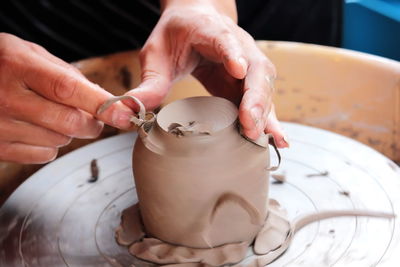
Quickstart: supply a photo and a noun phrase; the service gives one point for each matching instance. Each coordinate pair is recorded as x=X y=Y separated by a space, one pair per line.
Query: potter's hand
x=44 y=102
x=201 y=37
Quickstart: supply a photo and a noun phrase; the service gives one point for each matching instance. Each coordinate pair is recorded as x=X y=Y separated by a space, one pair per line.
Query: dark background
x=75 y=29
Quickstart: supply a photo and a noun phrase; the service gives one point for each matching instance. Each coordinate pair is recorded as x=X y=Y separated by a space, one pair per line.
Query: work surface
x=58 y=218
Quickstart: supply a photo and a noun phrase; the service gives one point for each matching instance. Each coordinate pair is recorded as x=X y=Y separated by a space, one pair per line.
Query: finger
x=46 y=54
x=257 y=97
x=273 y=127
x=30 y=107
x=68 y=88
x=26 y=154
x=231 y=55
x=22 y=132
x=223 y=47
x=157 y=76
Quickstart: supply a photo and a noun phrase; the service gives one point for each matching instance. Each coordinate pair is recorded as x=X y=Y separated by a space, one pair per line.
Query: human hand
x=200 y=37
x=44 y=102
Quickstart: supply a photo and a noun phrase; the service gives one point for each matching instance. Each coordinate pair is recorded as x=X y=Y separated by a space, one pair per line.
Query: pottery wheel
x=58 y=218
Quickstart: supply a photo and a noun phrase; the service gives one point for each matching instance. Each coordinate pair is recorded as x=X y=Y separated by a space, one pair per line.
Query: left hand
x=199 y=38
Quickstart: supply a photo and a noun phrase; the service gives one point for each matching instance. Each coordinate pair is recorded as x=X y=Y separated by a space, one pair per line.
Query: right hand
x=202 y=38
x=45 y=102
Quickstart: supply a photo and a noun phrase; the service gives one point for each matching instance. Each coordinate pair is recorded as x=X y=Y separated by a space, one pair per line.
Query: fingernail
x=94 y=131
x=100 y=127
x=256 y=114
x=67 y=142
x=286 y=140
x=243 y=62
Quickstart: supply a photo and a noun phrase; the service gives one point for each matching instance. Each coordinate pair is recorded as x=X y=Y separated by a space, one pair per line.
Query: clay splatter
x=325 y=173
x=344 y=193
x=279 y=178
x=94 y=170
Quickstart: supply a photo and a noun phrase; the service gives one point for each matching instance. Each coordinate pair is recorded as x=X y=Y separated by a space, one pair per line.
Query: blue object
x=372 y=26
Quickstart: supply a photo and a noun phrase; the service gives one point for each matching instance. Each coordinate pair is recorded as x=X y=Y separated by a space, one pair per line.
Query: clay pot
x=200 y=183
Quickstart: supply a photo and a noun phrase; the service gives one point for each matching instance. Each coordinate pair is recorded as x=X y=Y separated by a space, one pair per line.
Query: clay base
x=270 y=243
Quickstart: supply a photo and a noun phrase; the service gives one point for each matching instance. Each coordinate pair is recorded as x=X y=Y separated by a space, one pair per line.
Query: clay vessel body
x=191 y=185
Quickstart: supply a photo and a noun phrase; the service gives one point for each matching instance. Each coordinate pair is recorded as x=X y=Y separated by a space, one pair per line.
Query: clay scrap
x=193 y=128
x=94 y=171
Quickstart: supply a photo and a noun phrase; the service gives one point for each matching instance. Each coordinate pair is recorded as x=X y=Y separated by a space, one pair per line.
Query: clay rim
x=218 y=108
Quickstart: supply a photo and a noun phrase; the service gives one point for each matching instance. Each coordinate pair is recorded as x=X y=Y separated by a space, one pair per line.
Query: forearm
x=226 y=7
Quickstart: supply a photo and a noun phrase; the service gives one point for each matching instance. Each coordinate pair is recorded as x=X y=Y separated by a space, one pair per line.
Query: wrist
x=224 y=7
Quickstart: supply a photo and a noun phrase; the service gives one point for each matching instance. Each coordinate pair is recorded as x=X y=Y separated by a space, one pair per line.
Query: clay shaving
x=321 y=174
x=193 y=128
x=94 y=170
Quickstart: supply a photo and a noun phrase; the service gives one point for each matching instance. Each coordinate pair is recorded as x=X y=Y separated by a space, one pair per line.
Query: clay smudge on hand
x=94 y=170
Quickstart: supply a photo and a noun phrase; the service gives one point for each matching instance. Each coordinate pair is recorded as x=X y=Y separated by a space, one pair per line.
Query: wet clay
x=193 y=164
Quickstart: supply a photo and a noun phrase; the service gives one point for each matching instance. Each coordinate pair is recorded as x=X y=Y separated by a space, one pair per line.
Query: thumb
x=156 y=77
